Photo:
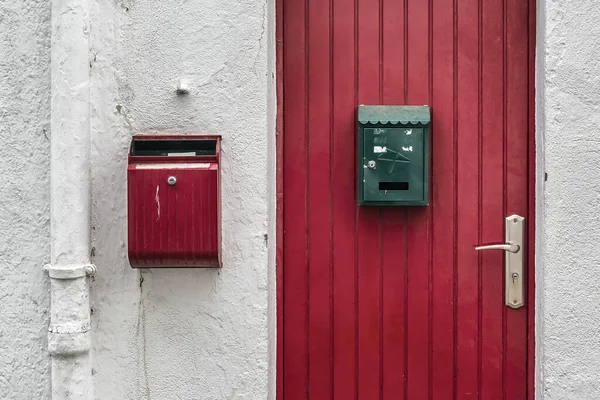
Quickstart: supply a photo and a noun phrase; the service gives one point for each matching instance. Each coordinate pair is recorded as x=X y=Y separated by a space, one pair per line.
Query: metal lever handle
x=513 y=248
x=514 y=287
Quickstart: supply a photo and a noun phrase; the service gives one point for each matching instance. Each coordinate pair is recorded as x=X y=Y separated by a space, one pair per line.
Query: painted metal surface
x=174 y=217
x=393 y=155
x=396 y=303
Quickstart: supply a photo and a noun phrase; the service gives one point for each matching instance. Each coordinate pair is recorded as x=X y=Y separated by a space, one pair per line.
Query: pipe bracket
x=71 y=271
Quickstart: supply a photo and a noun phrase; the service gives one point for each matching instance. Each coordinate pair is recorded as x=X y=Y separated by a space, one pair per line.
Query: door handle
x=513 y=248
x=514 y=296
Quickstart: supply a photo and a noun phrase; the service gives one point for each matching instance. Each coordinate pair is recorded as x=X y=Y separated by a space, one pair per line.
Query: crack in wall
x=141 y=334
x=262 y=36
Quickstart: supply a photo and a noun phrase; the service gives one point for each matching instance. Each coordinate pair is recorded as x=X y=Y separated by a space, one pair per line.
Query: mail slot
x=393 y=155
x=174 y=201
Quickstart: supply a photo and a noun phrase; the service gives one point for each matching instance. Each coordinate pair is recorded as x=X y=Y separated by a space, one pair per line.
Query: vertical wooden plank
x=369 y=255
x=531 y=212
x=516 y=180
x=468 y=210
x=344 y=195
x=393 y=244
x=319 y=192
x=393 y=30
x=417 y=249
x=164 y=211
x=504 y=166
x=492 y=213
x=394 y=294
x=442 y=198
x=294 y=185
x=430 y=212
x=368 y=304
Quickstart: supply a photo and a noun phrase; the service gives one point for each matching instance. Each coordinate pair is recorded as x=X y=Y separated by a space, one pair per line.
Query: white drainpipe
x=69 y=337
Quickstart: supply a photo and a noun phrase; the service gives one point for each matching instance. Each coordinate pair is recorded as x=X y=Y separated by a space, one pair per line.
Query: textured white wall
x=569 y=249
x=182 y=334
x=24 y=198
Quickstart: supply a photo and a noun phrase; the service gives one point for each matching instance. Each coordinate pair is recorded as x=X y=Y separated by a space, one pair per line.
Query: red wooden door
x=395 y=303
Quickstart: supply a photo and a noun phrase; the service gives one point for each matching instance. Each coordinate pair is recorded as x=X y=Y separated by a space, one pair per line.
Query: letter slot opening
x=393 y=185
x=173 y=147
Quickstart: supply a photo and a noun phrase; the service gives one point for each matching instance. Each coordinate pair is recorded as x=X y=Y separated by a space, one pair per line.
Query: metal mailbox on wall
x=174 y=201
x=393 y=155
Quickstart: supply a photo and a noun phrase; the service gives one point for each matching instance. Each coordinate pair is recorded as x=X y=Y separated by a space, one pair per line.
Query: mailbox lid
x=174 y=225
x=173 y=148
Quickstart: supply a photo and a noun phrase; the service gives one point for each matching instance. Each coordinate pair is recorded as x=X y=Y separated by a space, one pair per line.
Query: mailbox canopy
x=393 y=155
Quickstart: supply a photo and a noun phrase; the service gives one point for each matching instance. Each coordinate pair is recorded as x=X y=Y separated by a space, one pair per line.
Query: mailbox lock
x=172 y=180
x=372 y=164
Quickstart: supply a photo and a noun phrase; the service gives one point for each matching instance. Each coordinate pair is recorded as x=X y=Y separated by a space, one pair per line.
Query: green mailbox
x=393 y=155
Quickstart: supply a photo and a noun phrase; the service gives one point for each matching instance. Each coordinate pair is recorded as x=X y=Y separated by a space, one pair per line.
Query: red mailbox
x=174 y=201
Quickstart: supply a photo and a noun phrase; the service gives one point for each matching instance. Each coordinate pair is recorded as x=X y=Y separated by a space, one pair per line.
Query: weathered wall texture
x=569 y=251
x=24 y=198
x=181 y=334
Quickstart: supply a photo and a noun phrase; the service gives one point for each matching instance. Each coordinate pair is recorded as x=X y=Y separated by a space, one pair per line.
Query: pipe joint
x=69 y=339
x=71 y=271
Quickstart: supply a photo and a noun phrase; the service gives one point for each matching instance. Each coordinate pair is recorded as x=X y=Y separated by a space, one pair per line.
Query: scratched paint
x=157 y=199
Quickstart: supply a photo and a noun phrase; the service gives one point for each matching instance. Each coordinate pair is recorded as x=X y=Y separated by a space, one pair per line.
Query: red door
x=395 y=303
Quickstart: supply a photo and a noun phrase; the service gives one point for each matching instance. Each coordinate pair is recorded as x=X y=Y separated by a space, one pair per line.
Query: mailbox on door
x=393 y=155
x=174 y=202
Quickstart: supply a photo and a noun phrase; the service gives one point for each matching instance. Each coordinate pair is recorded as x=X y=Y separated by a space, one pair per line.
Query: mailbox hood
x=395 y=115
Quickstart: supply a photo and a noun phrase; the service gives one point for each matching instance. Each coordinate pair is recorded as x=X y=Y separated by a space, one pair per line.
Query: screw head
x=372 y=164
x=172 y=180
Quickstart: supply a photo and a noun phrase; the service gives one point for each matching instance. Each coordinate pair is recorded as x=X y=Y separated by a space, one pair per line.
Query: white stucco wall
x=569 y=246
x=182 y=334
x=24 y=198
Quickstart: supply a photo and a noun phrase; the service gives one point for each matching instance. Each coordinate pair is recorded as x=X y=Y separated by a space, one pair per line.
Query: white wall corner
x=539 y=193
x=272 y=193
x=568 y=201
